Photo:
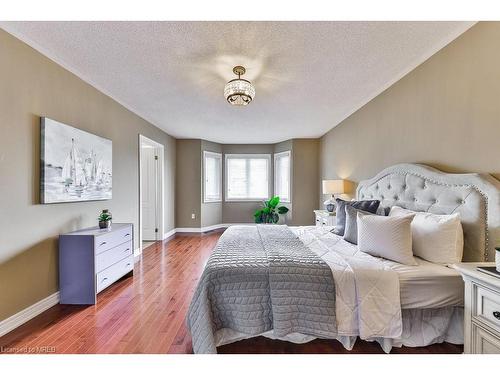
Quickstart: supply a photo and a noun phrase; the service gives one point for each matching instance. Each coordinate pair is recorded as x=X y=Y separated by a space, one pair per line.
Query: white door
x=149 y=194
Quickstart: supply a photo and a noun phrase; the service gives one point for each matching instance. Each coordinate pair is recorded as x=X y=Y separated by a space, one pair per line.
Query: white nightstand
x=325 y=218
x=481 y=309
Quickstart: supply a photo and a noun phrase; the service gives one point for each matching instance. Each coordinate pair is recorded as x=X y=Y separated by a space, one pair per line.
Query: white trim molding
x=278 y=155
x=201 y=229
x=217 y=156
x=169 y=234
x=28 y=313
x=160 y=184
x=137 y=254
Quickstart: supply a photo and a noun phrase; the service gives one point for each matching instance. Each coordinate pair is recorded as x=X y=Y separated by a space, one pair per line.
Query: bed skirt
x=421 y=327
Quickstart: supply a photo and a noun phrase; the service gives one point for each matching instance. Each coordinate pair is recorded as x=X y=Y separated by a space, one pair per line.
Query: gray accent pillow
x=368 y=206
x=351 y=223
x=383 y=211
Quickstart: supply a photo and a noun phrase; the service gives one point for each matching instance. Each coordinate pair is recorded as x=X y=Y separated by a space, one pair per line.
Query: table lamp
x=333 y=187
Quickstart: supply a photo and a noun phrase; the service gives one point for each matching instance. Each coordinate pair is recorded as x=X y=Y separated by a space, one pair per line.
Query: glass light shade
x=239 y=92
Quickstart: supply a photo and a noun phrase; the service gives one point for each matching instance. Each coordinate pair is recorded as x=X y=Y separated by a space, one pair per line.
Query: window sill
x=245 y=200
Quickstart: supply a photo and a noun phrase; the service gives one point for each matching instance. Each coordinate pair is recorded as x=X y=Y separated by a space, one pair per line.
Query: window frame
x=247 y=156
x=218 y=156
x=276 y=156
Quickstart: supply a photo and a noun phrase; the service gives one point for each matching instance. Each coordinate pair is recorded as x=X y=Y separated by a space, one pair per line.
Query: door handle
x=103 y=243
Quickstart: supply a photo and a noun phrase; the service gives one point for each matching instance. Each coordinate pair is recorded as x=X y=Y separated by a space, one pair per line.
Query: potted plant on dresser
x=105 y=219
x=270 y=212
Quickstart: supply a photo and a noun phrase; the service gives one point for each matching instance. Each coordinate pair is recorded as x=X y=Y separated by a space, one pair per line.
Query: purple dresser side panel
x=76 y=270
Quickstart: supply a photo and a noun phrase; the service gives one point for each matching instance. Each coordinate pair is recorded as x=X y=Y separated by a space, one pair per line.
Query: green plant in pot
x=105 y=219
x=270 y=212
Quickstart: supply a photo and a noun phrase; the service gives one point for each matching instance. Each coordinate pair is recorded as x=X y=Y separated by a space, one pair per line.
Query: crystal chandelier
x=239 y=91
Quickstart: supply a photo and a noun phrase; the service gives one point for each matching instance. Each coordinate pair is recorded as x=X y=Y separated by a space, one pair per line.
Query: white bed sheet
x=425 y=286
x=429 y=285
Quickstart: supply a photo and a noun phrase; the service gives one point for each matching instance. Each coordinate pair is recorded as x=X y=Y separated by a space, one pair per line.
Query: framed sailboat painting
x=75 y=165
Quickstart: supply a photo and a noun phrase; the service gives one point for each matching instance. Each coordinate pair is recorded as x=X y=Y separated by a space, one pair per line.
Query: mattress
x=425 y=286
x=429 y=285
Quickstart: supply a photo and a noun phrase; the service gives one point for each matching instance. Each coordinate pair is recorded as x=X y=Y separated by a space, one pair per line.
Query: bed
x=302 y=283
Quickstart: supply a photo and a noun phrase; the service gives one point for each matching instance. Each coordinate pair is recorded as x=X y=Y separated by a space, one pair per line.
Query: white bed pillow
x=387 y=237
x=436 y=238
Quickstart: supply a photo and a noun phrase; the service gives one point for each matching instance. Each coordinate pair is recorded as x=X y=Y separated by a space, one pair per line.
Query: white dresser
x=325 y=218
x=481 y=310
x=92 y=259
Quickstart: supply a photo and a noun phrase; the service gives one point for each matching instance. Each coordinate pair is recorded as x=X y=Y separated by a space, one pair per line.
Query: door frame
x=160 y=183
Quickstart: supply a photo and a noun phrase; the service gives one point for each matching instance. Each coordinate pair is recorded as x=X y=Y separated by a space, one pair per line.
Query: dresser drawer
x=111 y=274
x=109 y=257
x=487 y=309
x=484 y=342
x=112 y=239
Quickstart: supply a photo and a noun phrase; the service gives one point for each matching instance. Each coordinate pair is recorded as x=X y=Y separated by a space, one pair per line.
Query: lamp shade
x=334 y=186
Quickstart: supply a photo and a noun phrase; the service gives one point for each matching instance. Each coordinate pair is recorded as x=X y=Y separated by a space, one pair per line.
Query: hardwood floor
x=146 y=314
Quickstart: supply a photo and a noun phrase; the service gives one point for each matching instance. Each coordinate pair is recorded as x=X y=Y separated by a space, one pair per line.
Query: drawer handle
x=126 y=234
x=103 y=243
x=496 y=314
x=103 y=280
x=126 y=250
x=128 y=264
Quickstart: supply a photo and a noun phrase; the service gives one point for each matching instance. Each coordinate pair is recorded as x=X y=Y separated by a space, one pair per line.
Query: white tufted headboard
x=422 y=188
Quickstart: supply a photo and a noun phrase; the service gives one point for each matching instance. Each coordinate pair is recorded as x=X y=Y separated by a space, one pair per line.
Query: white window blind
x=282 y=175
x=247 y=176
x=212 y=175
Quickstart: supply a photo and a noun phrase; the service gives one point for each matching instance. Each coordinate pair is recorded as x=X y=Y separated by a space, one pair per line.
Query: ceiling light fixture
x=239 y=91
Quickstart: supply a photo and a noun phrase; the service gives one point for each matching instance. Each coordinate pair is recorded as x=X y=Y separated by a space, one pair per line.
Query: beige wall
x=188 y=183
x=445 y=113
x=34 y=86
x=305 y=188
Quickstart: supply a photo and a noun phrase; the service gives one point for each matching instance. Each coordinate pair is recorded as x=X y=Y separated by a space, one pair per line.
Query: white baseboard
x=202 y=229
x=168 y=234
x=28 y=313
x=137 y=254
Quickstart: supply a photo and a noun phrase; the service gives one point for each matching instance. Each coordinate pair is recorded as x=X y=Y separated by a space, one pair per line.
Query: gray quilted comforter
x=259 y=279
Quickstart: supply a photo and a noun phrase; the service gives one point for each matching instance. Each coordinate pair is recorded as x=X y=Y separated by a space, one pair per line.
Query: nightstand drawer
x=484 y=342
x=487 y=307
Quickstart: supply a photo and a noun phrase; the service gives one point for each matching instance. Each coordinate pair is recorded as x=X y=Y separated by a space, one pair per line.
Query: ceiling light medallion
x=239 y=91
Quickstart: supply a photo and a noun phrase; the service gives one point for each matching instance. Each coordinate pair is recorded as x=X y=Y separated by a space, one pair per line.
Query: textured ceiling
x=309 y=76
